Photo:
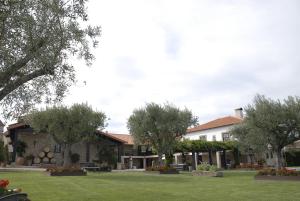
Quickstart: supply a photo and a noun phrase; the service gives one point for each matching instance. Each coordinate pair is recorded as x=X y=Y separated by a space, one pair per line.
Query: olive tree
x=161 y=126
x=37 y=39
x=270 y=123
x=67 y=125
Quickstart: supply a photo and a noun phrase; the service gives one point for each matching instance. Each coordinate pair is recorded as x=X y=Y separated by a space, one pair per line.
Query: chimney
x=239 y=113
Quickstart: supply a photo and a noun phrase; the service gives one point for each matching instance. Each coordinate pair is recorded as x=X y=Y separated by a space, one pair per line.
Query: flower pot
x=20 y=160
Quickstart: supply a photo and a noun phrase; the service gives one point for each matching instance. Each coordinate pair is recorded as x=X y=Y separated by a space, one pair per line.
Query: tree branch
x=12 y=70
x=20 y=81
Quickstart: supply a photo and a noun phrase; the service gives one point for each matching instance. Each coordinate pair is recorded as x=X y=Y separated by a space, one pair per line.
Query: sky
x=209 y=56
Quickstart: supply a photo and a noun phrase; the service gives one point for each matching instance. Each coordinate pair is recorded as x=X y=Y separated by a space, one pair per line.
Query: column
x=196 y=160
x=130 y=162
x=218 y=159
x=176 y=158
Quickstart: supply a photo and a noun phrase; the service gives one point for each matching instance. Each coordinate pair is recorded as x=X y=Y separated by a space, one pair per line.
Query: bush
x=207 y=167
x=64 y=169
x=75 y=158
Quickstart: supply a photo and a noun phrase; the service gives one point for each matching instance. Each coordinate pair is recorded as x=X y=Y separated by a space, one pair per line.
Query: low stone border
x=207 y=173
x=277 y=178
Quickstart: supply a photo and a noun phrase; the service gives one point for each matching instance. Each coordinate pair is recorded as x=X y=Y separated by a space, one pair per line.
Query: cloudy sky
x=209 y=56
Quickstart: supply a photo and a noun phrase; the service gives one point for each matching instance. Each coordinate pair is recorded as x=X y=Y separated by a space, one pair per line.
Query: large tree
x=37 y=39
x=67 y=125
x=270 y=124
x=161 y=126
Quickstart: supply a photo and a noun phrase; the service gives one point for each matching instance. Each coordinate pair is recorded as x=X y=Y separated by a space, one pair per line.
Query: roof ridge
x=216 y=123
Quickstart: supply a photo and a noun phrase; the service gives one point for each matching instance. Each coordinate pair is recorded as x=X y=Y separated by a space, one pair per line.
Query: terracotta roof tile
x=15 y=125
x=125 y=137
x=225 y=121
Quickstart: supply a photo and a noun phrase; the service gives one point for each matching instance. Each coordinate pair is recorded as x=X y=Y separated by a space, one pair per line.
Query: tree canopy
x=272 y=123
x=37 y=38
x=160 y=125
x=67 y=125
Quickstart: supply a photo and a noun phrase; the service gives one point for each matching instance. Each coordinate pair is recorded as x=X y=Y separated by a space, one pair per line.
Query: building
x=43 y=148
x=215 y=130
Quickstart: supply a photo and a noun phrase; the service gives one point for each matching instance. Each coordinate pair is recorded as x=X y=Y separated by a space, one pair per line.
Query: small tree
x=270 y=123
x=67 y=125
x=161 y=126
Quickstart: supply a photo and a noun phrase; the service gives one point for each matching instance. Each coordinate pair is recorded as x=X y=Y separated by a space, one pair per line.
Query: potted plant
x=20 y=150
x=29 y=159
x=11 y=194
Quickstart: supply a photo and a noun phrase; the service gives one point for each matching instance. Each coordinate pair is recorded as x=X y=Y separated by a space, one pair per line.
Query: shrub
x=75 y=158
x=207 y=167
x=64 y=169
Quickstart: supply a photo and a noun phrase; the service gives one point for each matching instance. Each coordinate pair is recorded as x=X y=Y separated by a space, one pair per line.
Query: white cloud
x=210 y=56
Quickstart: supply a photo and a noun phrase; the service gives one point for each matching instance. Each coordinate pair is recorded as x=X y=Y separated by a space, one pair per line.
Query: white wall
x=209 y=133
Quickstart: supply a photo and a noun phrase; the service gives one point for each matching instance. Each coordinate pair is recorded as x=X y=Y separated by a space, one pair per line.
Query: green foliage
x=269 y=122
x=160 y=125
x=67 y=125
x=203 y=146
x=21 y=148
x=75 y=158
x=37 y=40
x=207 y=167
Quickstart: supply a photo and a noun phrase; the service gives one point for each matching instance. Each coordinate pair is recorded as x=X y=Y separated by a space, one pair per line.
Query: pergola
x=199 y=146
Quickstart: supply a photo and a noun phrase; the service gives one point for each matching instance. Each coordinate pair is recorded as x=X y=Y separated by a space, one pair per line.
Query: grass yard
x=142 y=186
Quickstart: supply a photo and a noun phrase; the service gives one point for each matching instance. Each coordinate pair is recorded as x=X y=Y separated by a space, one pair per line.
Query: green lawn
x=142 y=186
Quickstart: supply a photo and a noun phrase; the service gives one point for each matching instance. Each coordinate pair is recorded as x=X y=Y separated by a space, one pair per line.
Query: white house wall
x=209 y=133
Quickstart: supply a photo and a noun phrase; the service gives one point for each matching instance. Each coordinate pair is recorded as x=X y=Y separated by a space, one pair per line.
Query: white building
x=215 y=130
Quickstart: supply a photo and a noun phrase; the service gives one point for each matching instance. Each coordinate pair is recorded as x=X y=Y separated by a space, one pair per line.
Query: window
x=214 y=138
x=226 y=137
x=202 y=137
x=57 y=148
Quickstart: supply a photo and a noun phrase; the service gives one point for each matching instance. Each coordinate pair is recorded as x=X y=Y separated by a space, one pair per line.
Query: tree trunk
x=67 y=156
x=210 y=157
x=160 y=161
x=279 y=164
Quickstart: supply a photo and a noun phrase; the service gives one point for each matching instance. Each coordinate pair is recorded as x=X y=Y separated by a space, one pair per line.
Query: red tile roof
x=225 y=121
x=125 y=137
x=15 y=125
